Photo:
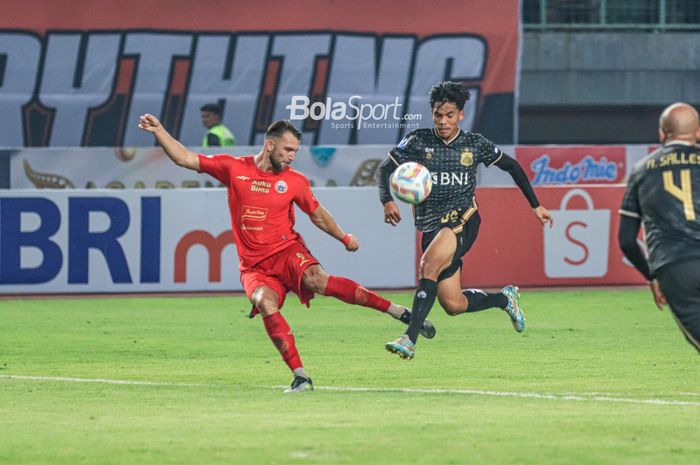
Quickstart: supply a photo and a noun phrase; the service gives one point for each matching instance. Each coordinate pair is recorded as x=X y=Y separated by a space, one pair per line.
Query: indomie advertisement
x=550 y=165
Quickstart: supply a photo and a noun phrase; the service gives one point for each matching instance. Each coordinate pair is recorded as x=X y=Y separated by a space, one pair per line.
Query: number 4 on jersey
x=683 y=193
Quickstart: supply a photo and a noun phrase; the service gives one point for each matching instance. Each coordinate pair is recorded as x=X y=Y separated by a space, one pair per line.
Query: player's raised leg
x=317 y=280
x=456 y=301
x=267 y=302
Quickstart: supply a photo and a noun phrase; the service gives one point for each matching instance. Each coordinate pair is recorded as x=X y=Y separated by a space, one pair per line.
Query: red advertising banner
x=551 y=165
x=81 y=72
x=581 y=248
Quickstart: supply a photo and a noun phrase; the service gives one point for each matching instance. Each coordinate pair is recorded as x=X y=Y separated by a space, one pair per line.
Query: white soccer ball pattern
x=411 y=183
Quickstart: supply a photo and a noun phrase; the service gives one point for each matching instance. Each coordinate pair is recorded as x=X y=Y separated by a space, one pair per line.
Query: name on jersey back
x=674 y=159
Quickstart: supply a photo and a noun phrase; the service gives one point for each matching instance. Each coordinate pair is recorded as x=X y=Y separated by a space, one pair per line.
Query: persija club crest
x=281 y=187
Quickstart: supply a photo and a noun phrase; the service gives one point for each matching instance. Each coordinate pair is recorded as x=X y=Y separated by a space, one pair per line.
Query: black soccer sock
x=479 y=300
x=422 y=303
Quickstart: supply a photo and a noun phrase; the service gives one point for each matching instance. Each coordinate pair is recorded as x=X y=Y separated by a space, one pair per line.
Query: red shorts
x=282 y=272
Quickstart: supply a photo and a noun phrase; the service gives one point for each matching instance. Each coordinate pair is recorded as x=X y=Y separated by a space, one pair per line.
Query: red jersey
x=262 y=214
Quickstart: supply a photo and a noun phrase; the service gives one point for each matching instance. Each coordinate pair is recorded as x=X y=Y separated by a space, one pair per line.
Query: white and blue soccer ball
x=411 y=183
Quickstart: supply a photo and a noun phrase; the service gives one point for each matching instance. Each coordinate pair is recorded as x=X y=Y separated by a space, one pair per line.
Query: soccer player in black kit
x=449 y=218
x=663 y=193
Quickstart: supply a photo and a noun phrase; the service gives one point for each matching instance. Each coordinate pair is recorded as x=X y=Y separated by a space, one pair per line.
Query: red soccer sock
x=350 y=292
x=282 y=337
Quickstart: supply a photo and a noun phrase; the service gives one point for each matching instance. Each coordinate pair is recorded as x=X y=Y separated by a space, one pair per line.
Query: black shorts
x=680 y=283
x=465 y=224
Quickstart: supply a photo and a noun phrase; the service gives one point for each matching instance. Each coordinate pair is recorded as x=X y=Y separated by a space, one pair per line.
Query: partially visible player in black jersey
x=448 y=218
x=663 y=193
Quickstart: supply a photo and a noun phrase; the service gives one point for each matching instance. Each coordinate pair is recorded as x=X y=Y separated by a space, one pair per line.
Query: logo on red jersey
x=253 y=213
x=260 y=186
x=281 y=186
x=302 y=259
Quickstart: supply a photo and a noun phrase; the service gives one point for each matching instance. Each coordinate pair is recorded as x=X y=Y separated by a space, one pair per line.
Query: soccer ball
x=411 y=183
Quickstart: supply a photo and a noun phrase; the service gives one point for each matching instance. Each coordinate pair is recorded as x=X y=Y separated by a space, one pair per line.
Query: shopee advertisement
x=580 y=249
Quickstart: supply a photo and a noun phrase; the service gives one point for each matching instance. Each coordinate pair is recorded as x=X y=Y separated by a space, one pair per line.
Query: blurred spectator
x=217 y=134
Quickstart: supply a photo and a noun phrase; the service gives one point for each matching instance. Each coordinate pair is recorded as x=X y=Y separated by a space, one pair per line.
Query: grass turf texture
x=597 y=346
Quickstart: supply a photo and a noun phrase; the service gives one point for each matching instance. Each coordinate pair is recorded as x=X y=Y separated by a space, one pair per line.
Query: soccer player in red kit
x=273 y=258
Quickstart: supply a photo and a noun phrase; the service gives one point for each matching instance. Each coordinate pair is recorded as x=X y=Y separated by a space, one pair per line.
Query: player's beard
x=277 y=165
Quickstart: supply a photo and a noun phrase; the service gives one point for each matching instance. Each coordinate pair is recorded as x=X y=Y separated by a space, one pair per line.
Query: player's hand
x=392 y=214
x=149 y=123
x=353 y=244
x=544 y=216
x=659 y=297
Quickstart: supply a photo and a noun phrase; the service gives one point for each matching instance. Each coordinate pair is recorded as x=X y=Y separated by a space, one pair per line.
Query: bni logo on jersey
x=353 y=113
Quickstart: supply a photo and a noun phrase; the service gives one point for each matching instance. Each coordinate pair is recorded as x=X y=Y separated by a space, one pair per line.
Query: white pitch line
x=581 y=397
x=105 y=381
x=522 y=395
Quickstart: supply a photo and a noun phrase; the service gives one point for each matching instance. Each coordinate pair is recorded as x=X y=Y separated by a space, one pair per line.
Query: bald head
x=679 y=122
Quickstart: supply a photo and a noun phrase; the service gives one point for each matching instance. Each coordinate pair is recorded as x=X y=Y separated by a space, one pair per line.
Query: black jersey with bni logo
x=663 y=190
x=453 y=168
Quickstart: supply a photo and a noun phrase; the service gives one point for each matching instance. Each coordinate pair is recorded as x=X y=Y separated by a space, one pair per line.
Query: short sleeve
x=407 y=150
x=217 y=166
x=489 y=153
x=305 y=198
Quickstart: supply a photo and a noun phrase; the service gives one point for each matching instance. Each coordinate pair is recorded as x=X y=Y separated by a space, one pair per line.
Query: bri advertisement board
x=156 y=240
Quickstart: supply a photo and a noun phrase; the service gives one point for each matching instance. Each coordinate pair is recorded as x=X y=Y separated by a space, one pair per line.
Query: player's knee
x=257 y=296
x=315 y=279
x=452 y=307
x=429 y=269
x=265 y=301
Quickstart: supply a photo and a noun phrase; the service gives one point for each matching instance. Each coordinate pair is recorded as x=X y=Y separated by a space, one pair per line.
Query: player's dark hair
x=212 y=108
x=449 y=91
x=278 y=128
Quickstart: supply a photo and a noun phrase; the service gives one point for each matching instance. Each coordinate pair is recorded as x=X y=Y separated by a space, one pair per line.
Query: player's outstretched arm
x=325 y=222
x=512 y=167
x=177 y=152
x=544 y=216
x=392 y=214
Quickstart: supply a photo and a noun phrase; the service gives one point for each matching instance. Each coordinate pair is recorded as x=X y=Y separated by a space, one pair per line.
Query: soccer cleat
x=427 y=330
x=403 y=347
x=517 y=317
x=300 y=384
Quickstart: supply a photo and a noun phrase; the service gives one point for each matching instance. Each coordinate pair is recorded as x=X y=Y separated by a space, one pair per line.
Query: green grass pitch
x=598 y=377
